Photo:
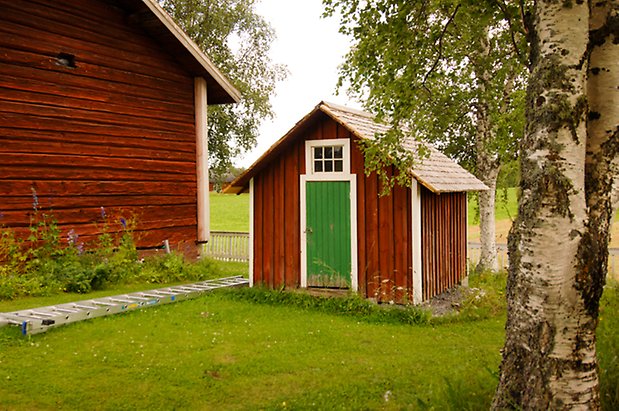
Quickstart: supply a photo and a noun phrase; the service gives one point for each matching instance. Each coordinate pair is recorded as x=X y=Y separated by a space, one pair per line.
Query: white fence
x=234 y=246
x=228 y=246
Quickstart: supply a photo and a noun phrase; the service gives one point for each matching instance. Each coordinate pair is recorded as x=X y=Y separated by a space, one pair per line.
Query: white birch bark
x=487 y=164
x=549 y=357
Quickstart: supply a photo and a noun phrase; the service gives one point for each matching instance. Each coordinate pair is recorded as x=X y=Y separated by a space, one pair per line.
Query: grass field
x=224 y=352
x=229 y=212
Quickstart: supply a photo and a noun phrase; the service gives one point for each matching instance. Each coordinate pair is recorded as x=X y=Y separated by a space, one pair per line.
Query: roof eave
x=193 y=49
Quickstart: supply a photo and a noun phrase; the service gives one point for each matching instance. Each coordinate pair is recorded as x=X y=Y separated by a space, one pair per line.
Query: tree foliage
x=428 y=65
x=238 y=41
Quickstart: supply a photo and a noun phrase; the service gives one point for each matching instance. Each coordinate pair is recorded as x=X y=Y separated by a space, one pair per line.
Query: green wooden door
x=328 y=234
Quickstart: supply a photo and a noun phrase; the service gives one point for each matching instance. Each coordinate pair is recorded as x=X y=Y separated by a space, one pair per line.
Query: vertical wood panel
x=371 y=235
x=357 y=167
x=409 y=249
x=444 y=241
x=291 y=217
x=280 y=224
x=269 y=223
x=385 y=244
x=258 y=229
x=400 y=241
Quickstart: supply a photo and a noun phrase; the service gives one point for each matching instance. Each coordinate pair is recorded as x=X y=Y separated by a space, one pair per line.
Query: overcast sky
x=312 y=48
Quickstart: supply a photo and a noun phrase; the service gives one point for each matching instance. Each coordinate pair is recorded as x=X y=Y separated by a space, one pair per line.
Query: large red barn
x=317 y=220
x=103 y=103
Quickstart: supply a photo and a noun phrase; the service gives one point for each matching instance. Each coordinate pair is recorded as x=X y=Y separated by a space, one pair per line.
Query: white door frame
x=341 y=176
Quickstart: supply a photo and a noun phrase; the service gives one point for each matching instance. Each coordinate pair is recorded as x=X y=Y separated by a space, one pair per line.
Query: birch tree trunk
x=549 y=357
x=487 y=172
x=559 y=245
x=487 y=162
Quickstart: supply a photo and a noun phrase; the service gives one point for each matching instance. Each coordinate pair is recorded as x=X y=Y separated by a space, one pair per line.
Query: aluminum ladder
x=38 y=320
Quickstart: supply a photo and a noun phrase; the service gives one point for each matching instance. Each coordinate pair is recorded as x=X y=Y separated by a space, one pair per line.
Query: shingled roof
x=437 y=172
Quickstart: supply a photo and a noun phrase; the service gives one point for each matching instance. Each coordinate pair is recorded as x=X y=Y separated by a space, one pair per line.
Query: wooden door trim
x=352 y=179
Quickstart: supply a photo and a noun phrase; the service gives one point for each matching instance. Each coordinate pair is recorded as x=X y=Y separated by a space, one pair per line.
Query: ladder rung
x=84 y=307
x=104 y=303
x=43 y=314
x=66 y=310
x=119 y=300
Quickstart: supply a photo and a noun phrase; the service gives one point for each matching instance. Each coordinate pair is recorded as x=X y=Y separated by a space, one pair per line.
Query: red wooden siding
x=443 y=232
x=384 y=239
x=383 y=223
x=117 y=131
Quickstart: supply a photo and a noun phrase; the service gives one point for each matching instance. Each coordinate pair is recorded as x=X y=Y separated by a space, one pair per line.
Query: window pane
x=328 y=152
x=339 y=165
x=318 y=166
x=328 y=166
x=338 y=152
x=317 y=152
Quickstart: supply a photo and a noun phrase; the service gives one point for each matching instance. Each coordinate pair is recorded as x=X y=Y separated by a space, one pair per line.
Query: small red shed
x=103 y=103
x=317 y=220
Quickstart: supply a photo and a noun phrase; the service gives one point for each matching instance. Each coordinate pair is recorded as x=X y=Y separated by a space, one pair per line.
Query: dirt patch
x=450 y=301
x=503 y=226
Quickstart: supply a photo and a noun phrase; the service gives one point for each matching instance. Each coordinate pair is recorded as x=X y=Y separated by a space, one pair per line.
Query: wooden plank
x=18 y=121
x=291 y=210
x=328 y=129
x=120 y=35
x=357 y=167
x=122 y=102
x=34 y=142
x=35 y=111
x=258 y=229
x=279 y=227
x=92 y=11
x=88 y=55
x=158 y=214
x=56 y=188
x=371 y=242
x=106 y=107
x=409 y=238
x=89 y=200
x=269 y=222
x=401 y=246
x=44 y=167
x=27 y=65
x=385 y=244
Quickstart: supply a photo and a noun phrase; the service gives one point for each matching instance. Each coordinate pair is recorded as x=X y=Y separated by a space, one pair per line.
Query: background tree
x=446 y=71
x=238 y=41
x=558 y=246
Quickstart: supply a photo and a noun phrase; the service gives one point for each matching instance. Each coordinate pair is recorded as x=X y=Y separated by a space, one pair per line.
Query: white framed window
x=327 y=157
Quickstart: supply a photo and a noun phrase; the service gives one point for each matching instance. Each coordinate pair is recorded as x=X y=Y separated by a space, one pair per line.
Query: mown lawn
x=229 y=212
x=218 y=353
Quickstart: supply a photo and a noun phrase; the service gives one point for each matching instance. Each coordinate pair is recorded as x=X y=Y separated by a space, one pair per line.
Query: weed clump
x=48 y=262
x=351 y=304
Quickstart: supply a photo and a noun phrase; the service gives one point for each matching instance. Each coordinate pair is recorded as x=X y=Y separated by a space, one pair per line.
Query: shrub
x=45 y=264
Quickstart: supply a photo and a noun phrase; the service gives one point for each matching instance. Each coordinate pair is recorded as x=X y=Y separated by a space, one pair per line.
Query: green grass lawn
x=218 y=353
x=229 y=212
x=233 y=350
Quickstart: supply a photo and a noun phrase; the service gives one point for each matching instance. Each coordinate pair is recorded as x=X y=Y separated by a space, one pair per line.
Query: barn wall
x=115 y=131
x=443 y=233
x=382 y=222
